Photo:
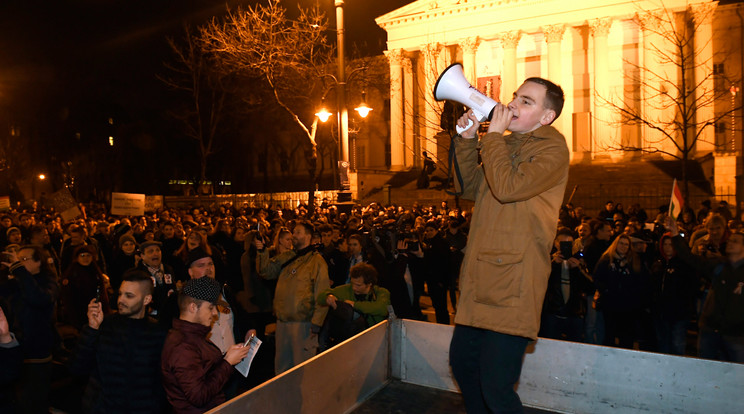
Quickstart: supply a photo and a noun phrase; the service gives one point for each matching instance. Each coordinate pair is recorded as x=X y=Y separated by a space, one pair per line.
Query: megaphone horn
x=453 y=86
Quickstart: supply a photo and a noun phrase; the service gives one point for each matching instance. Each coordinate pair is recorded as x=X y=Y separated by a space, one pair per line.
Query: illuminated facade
x=604 y=53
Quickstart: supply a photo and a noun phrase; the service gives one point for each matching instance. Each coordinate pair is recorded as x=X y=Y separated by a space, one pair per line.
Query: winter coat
x=621 y=288
x=723 y=310
x=163 y=289
x=518 y=190
x=675 y=287
x=194 y=371
x=374 y=306
x=32 y=301
x=580 y=287
x=301 y=277
x=123 y=355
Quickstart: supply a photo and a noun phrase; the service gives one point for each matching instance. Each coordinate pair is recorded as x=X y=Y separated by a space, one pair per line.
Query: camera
x=711 y=248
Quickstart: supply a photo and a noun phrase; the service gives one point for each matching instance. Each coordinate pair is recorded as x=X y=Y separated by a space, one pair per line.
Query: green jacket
x=299 y=282
x=374 y=308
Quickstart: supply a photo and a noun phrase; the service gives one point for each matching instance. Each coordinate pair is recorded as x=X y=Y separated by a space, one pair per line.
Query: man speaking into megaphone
x=518 y=189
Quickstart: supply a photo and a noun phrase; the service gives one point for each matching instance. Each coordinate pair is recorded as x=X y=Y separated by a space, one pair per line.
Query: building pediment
x=448 y=21
x=496 y=11
x=421 y=8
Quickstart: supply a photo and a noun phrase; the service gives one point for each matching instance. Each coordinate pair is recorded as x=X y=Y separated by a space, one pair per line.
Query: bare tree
x=193 y=72
x=277 y=55
x=667 y=97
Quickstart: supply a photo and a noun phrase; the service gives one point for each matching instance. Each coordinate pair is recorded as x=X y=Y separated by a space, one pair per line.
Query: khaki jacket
x=298 y=284
x=518 y=189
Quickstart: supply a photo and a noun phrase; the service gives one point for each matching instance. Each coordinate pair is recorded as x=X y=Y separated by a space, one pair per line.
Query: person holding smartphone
x=108 y=345
x=565 y=299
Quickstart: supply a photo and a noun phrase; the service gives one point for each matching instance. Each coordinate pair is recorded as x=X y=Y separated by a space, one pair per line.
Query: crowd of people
x=620 y=279
x=161 y=306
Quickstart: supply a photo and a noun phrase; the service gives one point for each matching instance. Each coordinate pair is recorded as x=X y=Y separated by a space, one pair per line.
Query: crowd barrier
x=557 y=376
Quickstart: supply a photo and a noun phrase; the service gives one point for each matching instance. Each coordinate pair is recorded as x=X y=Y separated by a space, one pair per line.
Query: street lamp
x=340 y=81
x=323 y=114
x=734 y=90
x=363 y=109
x=343 y=124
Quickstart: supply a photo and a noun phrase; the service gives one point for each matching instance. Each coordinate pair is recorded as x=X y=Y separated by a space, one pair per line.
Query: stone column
x=554 y=37
x=703 y=66
x=655 y=78
x=430 y=125
x=469 y=47
x=397 y=109
x=603 y=138
x=408 y=109
x=509 y=42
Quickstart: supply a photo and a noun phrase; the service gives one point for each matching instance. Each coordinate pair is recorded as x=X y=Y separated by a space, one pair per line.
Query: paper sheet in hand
x=245 y=365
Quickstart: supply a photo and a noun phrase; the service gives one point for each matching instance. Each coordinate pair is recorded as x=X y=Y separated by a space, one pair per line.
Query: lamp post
x=734 y=90
x=343 y=114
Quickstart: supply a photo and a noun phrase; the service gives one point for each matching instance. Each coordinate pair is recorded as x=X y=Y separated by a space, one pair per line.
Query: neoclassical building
x=616 y=60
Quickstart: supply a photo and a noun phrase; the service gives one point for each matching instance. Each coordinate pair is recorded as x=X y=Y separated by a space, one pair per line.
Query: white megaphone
x=453 y=86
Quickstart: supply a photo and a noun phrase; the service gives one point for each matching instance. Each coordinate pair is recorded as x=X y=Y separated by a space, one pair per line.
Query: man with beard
x=121 y=352
x=302 y=274
x=194 y=370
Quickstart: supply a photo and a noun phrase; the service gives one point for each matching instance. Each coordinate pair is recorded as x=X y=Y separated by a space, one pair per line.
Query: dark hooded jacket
x=674 y=286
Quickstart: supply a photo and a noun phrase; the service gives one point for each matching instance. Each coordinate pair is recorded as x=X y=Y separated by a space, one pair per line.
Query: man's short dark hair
x=564 y=231
x=38 y=252
x=356 y=237
x=36 y=230
x=364 y=270
x=554 y=96
x=140 y=276
x=325 y=228
x=598 y=225
x=185 y=300
x=309 y=228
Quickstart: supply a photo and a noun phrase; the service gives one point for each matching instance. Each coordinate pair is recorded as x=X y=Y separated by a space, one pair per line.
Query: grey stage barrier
x=558 y=376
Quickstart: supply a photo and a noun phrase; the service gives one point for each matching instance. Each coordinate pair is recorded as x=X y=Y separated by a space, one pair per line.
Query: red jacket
x=194 y=371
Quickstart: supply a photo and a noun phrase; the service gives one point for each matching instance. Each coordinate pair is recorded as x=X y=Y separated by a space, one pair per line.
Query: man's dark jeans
x=486 y=366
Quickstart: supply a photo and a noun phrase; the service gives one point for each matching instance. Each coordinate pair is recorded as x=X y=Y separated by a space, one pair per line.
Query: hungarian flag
x=677 y=202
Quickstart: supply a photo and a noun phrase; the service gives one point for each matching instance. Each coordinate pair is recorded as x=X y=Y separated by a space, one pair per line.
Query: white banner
x=126 y=204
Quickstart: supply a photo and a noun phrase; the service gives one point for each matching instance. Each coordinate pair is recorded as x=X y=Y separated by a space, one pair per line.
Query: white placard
x=126 y=204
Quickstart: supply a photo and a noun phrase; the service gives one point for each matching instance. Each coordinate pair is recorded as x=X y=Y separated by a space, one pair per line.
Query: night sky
x=66 y=66
x=69 y=47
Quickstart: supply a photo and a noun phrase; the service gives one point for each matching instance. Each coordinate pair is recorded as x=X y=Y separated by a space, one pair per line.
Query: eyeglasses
x=84 y=255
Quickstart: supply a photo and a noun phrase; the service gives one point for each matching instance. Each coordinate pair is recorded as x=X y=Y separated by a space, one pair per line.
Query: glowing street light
x=363 y=109
x=323 y=114
x=42 y=177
